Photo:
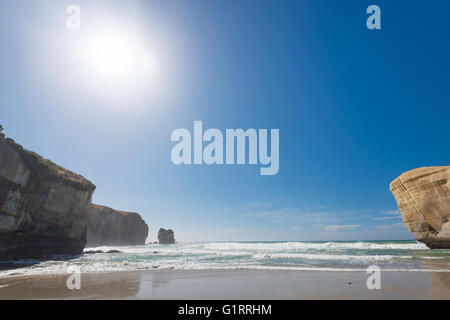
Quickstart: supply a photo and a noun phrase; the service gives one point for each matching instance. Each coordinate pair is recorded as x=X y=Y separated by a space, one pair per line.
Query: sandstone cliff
x=107 y=226
x=423 y=197
x=42 y=205
x=46 y=209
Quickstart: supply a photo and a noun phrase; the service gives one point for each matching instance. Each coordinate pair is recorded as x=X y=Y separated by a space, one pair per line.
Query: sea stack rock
x=166 y=236
x=42 y=205
x=107 y=226
x=423 y=197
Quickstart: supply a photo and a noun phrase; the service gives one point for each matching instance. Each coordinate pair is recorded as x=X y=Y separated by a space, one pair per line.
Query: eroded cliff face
x=42 y=205
x=423 y=197
x=107 y=226
x=47 y=210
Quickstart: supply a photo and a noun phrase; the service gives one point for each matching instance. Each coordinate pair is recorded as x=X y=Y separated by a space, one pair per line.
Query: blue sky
x=355 y=108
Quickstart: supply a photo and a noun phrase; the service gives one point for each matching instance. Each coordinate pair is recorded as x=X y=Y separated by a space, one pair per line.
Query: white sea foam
x=315 y=245
x=100 y=268
x=327 y=256
x=313 y=256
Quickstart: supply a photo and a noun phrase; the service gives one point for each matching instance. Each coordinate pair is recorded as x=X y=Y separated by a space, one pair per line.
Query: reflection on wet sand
x=440 y=281
x=93 y=286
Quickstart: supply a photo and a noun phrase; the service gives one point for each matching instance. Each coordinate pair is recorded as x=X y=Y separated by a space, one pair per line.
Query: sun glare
x=118 y=65
x=117 y=56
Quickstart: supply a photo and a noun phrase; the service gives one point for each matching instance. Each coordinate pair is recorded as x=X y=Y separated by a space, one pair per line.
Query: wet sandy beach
x=230 y=284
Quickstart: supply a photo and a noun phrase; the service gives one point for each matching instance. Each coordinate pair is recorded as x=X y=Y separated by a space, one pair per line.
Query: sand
x=230 y=284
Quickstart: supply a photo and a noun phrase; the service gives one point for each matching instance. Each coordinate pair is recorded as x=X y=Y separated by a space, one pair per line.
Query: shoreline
x=229 y=284
x=14 y=273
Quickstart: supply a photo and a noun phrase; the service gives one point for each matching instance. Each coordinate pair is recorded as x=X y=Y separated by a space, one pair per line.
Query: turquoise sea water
x=329 y=256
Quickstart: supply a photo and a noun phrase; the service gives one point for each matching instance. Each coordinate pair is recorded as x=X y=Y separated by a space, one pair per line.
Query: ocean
x=326 y=256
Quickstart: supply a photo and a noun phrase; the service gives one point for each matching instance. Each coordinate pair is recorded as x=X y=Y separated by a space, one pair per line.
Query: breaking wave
x=313 y=256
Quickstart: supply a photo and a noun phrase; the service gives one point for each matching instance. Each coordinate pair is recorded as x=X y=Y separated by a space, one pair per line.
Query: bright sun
x=117 y=56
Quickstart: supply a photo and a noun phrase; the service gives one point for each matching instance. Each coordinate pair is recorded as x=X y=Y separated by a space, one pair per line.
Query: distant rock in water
x=107 y=226
x=92 y=251
x=100 y=251
x=45 y=208
x=166 y=236
x=423 y=197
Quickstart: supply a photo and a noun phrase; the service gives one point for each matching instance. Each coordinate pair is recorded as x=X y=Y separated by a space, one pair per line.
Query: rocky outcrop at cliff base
x=423 y=197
